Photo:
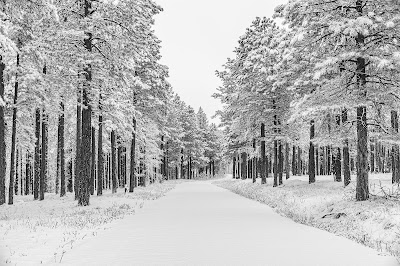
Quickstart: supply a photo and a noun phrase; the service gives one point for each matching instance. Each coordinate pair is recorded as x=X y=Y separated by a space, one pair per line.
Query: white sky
x=198 y=37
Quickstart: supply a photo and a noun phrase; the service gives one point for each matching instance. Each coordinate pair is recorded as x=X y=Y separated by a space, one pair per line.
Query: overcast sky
x=198 y=37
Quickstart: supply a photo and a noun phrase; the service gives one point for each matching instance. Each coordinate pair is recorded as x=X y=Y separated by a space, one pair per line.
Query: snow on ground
x=201 y=224
x=327 y=205
x=33 y=232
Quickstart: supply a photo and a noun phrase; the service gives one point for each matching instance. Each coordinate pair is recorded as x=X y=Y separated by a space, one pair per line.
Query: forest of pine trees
x=85 y=105
x=317 y=95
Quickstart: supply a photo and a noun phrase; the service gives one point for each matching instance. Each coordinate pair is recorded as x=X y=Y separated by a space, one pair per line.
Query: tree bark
x=37 y=155
x=234 y=167
x=294 y=160
x=62 y=150
x=113 y=163
x=346 y=154
x=78 y=142
x=287 y=166
x=43 y=164
x=93 y=161
x=100 y=164
x=13 y=140
x=280 y=166
x=17 y=176
x=275 y=163
x=311 y=160
x=133 y=181
x=3 y=163
x=362 y=190
x=263 y=162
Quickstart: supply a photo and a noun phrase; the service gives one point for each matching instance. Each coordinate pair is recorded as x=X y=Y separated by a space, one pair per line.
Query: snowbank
x=327 y=205
x=32 y=232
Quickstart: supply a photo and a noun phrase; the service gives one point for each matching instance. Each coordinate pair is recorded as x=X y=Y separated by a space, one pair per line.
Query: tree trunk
x=85 y=150
x=280 y=166
x=27 y=173
x=311 y=160
x=43 y=164
x=37 y=156
x=17 y=176
x=316 y=161
x=113 y=163
x=3 y=163
x=287 y=166
x=346 y=154
x=62 y=149
x=78 y=142
x=263 y=161
x=86 y=156
x=294 y=160
x=275 y=163
x=70 y=182
x=100 y=164
x=13 y=140
x=234 y=167
x=182 y=166
x=93 y=161
x=133 y=181
x=362 y=190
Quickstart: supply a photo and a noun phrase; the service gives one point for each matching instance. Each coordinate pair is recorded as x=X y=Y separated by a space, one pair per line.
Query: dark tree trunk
x=13 y=141
x=338 y=166
x=234 y=167
x=166 y=162
x=346 y=154
x=280 y=166
x=43 y=164
x=294 y=160
x=78 y=142
x=113 y=163
x=263 y=161
x=182 y=167
x=311 y=160
x=338 y=158
x=119 y=151
x=362 y=190
x=85 y=150
x=287 y=166
x=37 y=156
x=3 y=163
x=275 y=163
x=316 y=161
x=372 y=157
x=17 y=176
x=70 y=182
x=133 y=159
x=85 y=169
x=100 y=164
x=244 y=167
x=213 y=168
x=93 y=162
x=27 y=173
x=62 y=149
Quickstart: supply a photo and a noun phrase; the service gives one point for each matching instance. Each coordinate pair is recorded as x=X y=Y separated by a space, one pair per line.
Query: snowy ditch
x=327 y=205
x=35 y=232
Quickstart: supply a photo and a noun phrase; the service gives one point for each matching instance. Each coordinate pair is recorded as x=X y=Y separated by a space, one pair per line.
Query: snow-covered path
x=199 y=223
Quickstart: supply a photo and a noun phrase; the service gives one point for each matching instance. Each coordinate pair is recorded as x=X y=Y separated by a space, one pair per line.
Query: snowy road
x=199 y=223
